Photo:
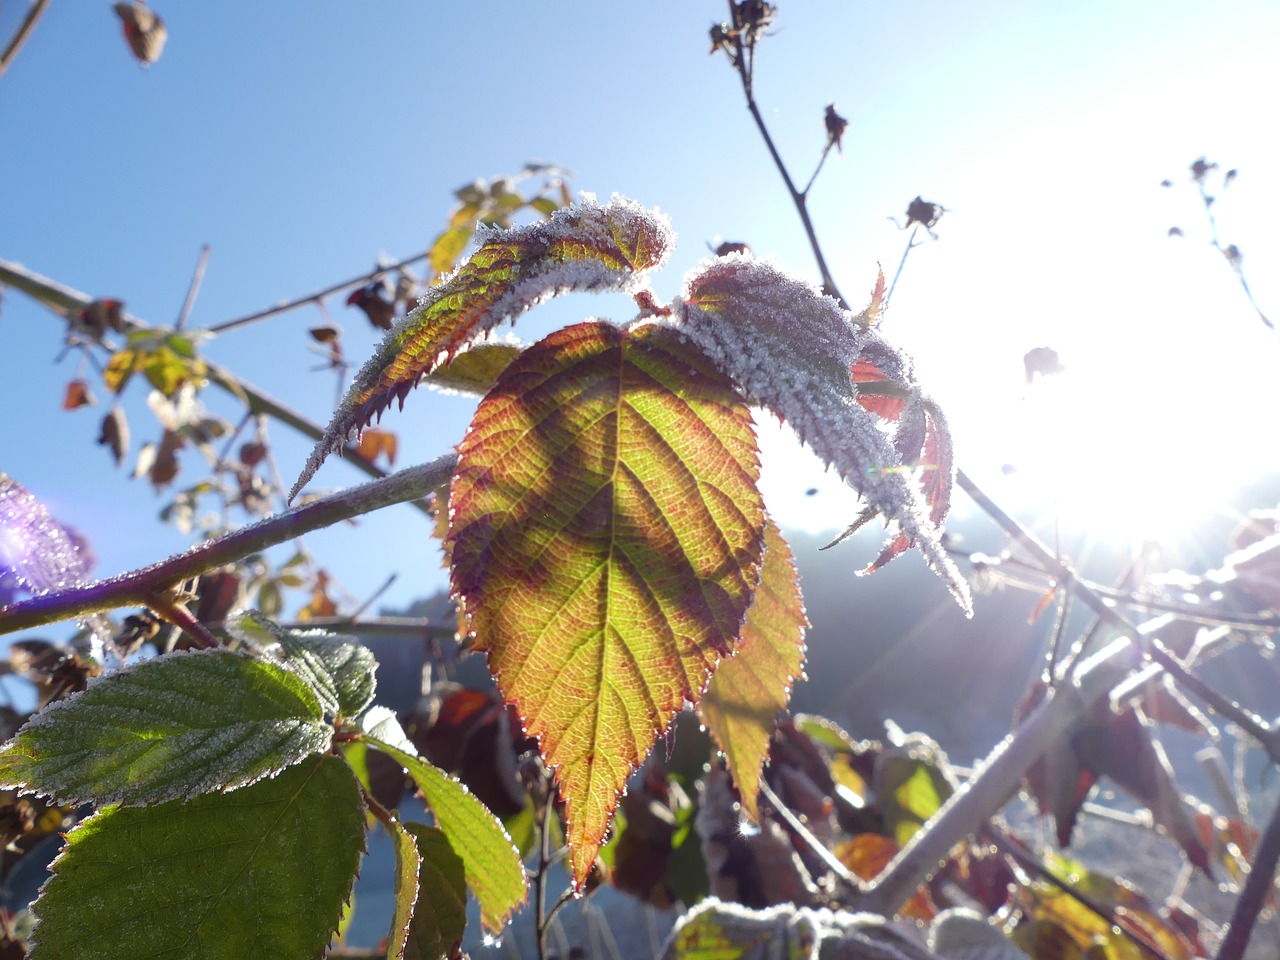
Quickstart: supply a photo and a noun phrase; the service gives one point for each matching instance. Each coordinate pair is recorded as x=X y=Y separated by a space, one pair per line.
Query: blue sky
x=301 y=141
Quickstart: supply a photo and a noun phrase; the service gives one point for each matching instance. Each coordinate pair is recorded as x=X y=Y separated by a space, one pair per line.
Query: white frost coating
x=791 y=349
x=611 y=231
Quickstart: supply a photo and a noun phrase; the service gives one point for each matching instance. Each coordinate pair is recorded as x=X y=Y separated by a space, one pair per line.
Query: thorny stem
x=141 y=586
x=22 y=33
x=318 y=295
x=1255 y=893
x=67 y=302
x=175 y=613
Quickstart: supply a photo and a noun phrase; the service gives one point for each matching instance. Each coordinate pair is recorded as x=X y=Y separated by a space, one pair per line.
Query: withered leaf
x=114 y=434
x=369 y=299
x=143 y=31
x=77 y=395
x=1043 y=361
x=836 y=126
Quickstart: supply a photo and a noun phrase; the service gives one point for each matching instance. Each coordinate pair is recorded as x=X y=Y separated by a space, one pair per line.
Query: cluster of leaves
x=214 y=774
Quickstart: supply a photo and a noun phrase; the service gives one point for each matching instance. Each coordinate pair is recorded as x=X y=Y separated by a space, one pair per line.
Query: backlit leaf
x=474 y=369
x=168 y=728
x=587 y=247
x=338 y=669
x=606 y=534
x=867 y=854
x=404 y=888
x=741 y=704
x=491 y=862
x=37 y=551
x=791 y=349
x=441 y=915
x=212 y=878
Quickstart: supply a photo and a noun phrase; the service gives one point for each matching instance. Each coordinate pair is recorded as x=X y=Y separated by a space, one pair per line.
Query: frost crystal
x=587 y=247
x=794 y=350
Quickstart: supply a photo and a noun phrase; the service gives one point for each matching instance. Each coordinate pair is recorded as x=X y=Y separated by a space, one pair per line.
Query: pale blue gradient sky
x=302 y=140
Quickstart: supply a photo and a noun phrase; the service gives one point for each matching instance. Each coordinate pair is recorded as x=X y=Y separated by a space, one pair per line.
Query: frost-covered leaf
x=37 y=553
x=173 y=727
x=441 y=914
x=793 y=350
x=491 y=861
x=606 y=534
x=741 y=704
x=587 y=247
x=258 y=874
x=716 y=930
x=338 y=669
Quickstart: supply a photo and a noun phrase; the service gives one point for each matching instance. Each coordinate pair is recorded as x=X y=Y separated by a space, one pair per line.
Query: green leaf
x=606 y=535
x=173 y=727
x=338 y=669
x=441 y=914
x=404 y=888
x=587 y=247
x=475 y=369
x=741 y=704
x=491 y=862
x=258 y=873
x=912 y=790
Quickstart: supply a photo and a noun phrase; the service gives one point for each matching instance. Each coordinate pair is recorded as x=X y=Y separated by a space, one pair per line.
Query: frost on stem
x=588 y=247
x=795 y=351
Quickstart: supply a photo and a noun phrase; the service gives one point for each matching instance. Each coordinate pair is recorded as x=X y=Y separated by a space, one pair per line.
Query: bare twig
x=141 y=586
x=196 y=279
x=22 y=33
x=318 y=295
x=1256 y=891
x=66 y=302
x=911 y=245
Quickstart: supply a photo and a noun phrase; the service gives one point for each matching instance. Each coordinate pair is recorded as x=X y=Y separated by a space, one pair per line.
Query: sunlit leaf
x=77 y=395
x=404 y=888
x=606 y=534
x=867 y=854
x=587 y=247
x=912 y=790
x=441 y=914
x=474 y=369
x=167 y=728
x=378 y=443
x=741 y=704
x=492 y=864
x=119 y=369
x=212 y=878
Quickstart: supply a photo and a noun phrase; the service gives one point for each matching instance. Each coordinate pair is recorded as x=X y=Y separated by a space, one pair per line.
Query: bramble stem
x=1255 y=893
x=142 y=586
x=22 y=33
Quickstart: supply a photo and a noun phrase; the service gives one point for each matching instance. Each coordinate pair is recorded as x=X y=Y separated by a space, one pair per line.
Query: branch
x=312 y=297
x=1256 y=891
x=20 y=35
x=66 y=301
x=142 y=586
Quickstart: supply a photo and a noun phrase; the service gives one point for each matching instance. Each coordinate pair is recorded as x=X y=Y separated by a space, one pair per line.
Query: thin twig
x=1255 y=893
x=540 y=878
x=65 y=301
x=828 y=858
x=175 y=613
x=196 y=279
x=22 y=33
x=911 y=244
x=312 y=297
x=826 y=151
x=141 y=586
x=373 y=597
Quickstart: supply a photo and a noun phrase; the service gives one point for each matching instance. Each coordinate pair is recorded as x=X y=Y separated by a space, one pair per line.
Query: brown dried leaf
x=143 y=31
x=114 y=434
x=77 y=395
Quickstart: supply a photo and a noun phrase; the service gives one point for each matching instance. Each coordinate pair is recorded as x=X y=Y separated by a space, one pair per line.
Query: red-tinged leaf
x=867 y=854
x=606 y=534
x=77 y=395
x=741 y=704
x=587 y=247
x=791 y=349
